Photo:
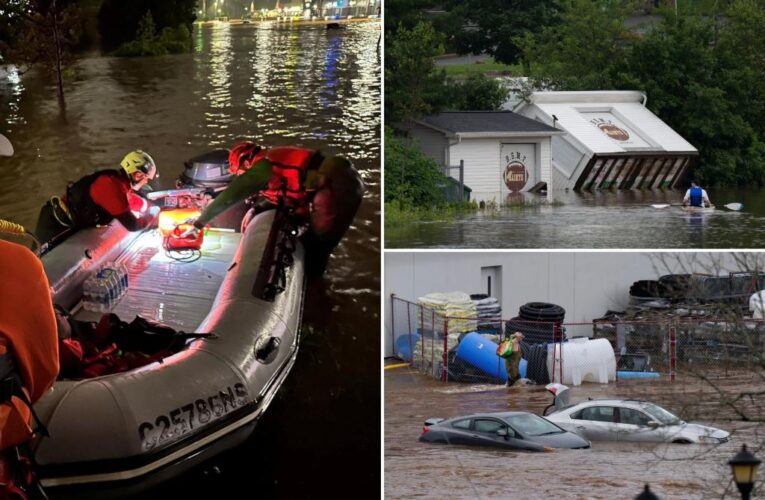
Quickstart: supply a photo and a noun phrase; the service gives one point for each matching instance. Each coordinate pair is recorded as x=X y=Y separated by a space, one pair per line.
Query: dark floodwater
x=305 y=86
x=608 y=470
x=602 y=220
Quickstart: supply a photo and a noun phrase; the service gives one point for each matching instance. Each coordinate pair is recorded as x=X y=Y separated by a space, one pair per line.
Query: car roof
x=501 y=414
x=610 y=401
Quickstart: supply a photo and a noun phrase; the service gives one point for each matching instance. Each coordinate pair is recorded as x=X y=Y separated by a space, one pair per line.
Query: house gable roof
x=486 y=123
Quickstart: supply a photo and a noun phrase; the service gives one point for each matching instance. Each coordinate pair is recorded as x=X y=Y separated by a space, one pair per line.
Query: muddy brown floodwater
x=606 y=471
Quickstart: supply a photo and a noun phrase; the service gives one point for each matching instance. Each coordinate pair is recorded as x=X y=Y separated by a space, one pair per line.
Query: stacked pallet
x=457 y=307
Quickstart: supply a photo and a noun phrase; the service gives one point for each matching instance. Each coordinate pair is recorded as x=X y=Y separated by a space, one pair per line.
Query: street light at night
x=744 y=466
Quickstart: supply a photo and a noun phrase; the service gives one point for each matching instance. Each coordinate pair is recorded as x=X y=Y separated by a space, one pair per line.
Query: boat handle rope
x=57 y=201
x=9 y=227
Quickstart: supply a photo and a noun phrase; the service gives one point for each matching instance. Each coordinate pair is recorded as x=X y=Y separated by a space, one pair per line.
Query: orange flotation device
x=28 y=340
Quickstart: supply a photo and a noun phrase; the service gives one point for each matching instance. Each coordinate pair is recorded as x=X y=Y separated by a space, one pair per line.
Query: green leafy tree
x=493 y=26
x=118 y=20
x=704 y=77
x=404 y=13
x=696 y=88
x=41 y=33
x=580 y=52
x=414 y=86
x=147 y=43
x=478 y=93
x=411 y=178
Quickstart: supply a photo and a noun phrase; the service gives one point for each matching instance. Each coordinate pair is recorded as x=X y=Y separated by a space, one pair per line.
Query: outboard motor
x=208 y=170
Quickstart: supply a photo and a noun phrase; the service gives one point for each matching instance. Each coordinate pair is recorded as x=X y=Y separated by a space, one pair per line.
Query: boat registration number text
x=186 y=418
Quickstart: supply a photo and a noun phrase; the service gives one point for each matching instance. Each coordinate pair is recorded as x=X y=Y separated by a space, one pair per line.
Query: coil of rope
x=9 y=227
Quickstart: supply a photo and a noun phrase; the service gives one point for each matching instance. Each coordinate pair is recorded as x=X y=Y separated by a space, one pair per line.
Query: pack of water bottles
x=105 y=288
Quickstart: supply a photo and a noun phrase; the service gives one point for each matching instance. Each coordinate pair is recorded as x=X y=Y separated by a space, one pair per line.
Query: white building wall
x=586 y=284
x=483 y=166
x=430 y=142
x=545 y=165
x=481 y=158
x=627 y=106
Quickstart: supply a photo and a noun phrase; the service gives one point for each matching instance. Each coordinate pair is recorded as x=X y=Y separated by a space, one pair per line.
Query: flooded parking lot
x=607 y=470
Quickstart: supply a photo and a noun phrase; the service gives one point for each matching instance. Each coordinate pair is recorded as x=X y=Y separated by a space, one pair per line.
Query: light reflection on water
x=308 y=86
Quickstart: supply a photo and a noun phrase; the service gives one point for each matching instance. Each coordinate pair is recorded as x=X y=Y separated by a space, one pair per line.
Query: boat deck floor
x=161 y=288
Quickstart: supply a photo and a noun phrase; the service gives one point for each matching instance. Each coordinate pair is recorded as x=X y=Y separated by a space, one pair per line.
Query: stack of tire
x=673 y=287
x=536 y=321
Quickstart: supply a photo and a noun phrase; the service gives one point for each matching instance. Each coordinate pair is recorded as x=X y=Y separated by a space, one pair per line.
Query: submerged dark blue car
x=515 y=430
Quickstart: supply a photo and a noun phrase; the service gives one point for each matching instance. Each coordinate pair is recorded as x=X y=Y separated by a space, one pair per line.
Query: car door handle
x=581 y=427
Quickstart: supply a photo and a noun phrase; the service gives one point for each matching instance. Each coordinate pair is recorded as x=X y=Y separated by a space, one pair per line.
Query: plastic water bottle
x=105 y=273
x=104 y=303
x=125 y=280
x=88 y=302
x=94 y=295
x=112 y=285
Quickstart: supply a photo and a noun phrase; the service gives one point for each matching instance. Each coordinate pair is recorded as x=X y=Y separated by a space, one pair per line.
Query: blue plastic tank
x=481 y=353
x=404 y=345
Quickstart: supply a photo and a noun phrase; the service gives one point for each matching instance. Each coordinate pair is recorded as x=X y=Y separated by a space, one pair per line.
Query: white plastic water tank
x=584 y=360
x=757 y=305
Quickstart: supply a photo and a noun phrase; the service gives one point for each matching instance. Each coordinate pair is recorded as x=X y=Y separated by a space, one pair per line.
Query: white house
x=612 y=141
x=503 y=153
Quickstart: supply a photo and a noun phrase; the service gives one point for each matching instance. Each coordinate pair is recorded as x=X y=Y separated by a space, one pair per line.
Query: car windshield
x=532 y=425
x=660 y=414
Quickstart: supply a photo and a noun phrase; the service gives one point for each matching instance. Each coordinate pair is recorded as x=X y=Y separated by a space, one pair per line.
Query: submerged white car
x=627 y=420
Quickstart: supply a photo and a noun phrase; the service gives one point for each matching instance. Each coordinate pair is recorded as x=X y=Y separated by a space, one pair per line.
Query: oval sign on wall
x=516 y=175
x=614 y=132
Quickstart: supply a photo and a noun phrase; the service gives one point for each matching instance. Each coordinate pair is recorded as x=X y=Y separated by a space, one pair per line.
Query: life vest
x=290 y=166
x=28 y=341
x=85 y=211
x=696 y=197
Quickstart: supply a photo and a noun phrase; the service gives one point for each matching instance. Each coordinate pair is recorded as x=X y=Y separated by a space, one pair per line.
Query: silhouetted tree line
x=118 y=20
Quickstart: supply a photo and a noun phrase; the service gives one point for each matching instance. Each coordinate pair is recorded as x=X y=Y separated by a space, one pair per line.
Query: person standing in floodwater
x=513 y=361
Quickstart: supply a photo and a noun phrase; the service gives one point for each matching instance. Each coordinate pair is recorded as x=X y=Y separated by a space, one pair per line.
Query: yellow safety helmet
x=139 y=161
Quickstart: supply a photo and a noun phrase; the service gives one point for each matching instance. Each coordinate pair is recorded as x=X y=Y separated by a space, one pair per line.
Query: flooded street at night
x=622 y=219
x=305 y=86
x=608 y=470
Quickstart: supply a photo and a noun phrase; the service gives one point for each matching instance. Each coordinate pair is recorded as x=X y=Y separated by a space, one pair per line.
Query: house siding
x=431 y=142
x=483 y=167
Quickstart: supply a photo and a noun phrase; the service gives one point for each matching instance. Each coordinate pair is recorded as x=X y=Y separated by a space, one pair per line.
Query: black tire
x=542 y=311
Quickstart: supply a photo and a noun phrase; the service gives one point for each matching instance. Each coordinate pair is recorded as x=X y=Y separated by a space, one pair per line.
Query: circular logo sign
x=515 y=175
x=614 y=132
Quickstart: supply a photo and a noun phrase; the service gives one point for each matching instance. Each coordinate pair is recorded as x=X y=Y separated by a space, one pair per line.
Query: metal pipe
x=672 y=352
x=446 y=349
x=393 y=322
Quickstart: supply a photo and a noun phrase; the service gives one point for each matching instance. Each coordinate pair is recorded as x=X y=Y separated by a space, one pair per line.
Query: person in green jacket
x=334 y=188
x=512 y=362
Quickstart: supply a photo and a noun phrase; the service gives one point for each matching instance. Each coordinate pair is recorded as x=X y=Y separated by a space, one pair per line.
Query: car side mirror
x=503 y=433
x=653 y=425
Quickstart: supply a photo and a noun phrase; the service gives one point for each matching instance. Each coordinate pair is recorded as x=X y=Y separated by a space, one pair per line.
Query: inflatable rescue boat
x=128 y=431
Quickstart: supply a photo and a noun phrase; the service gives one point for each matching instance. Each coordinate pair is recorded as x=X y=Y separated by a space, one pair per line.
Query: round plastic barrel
x=584 y=360
x=481 y=353
x=404 y=345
